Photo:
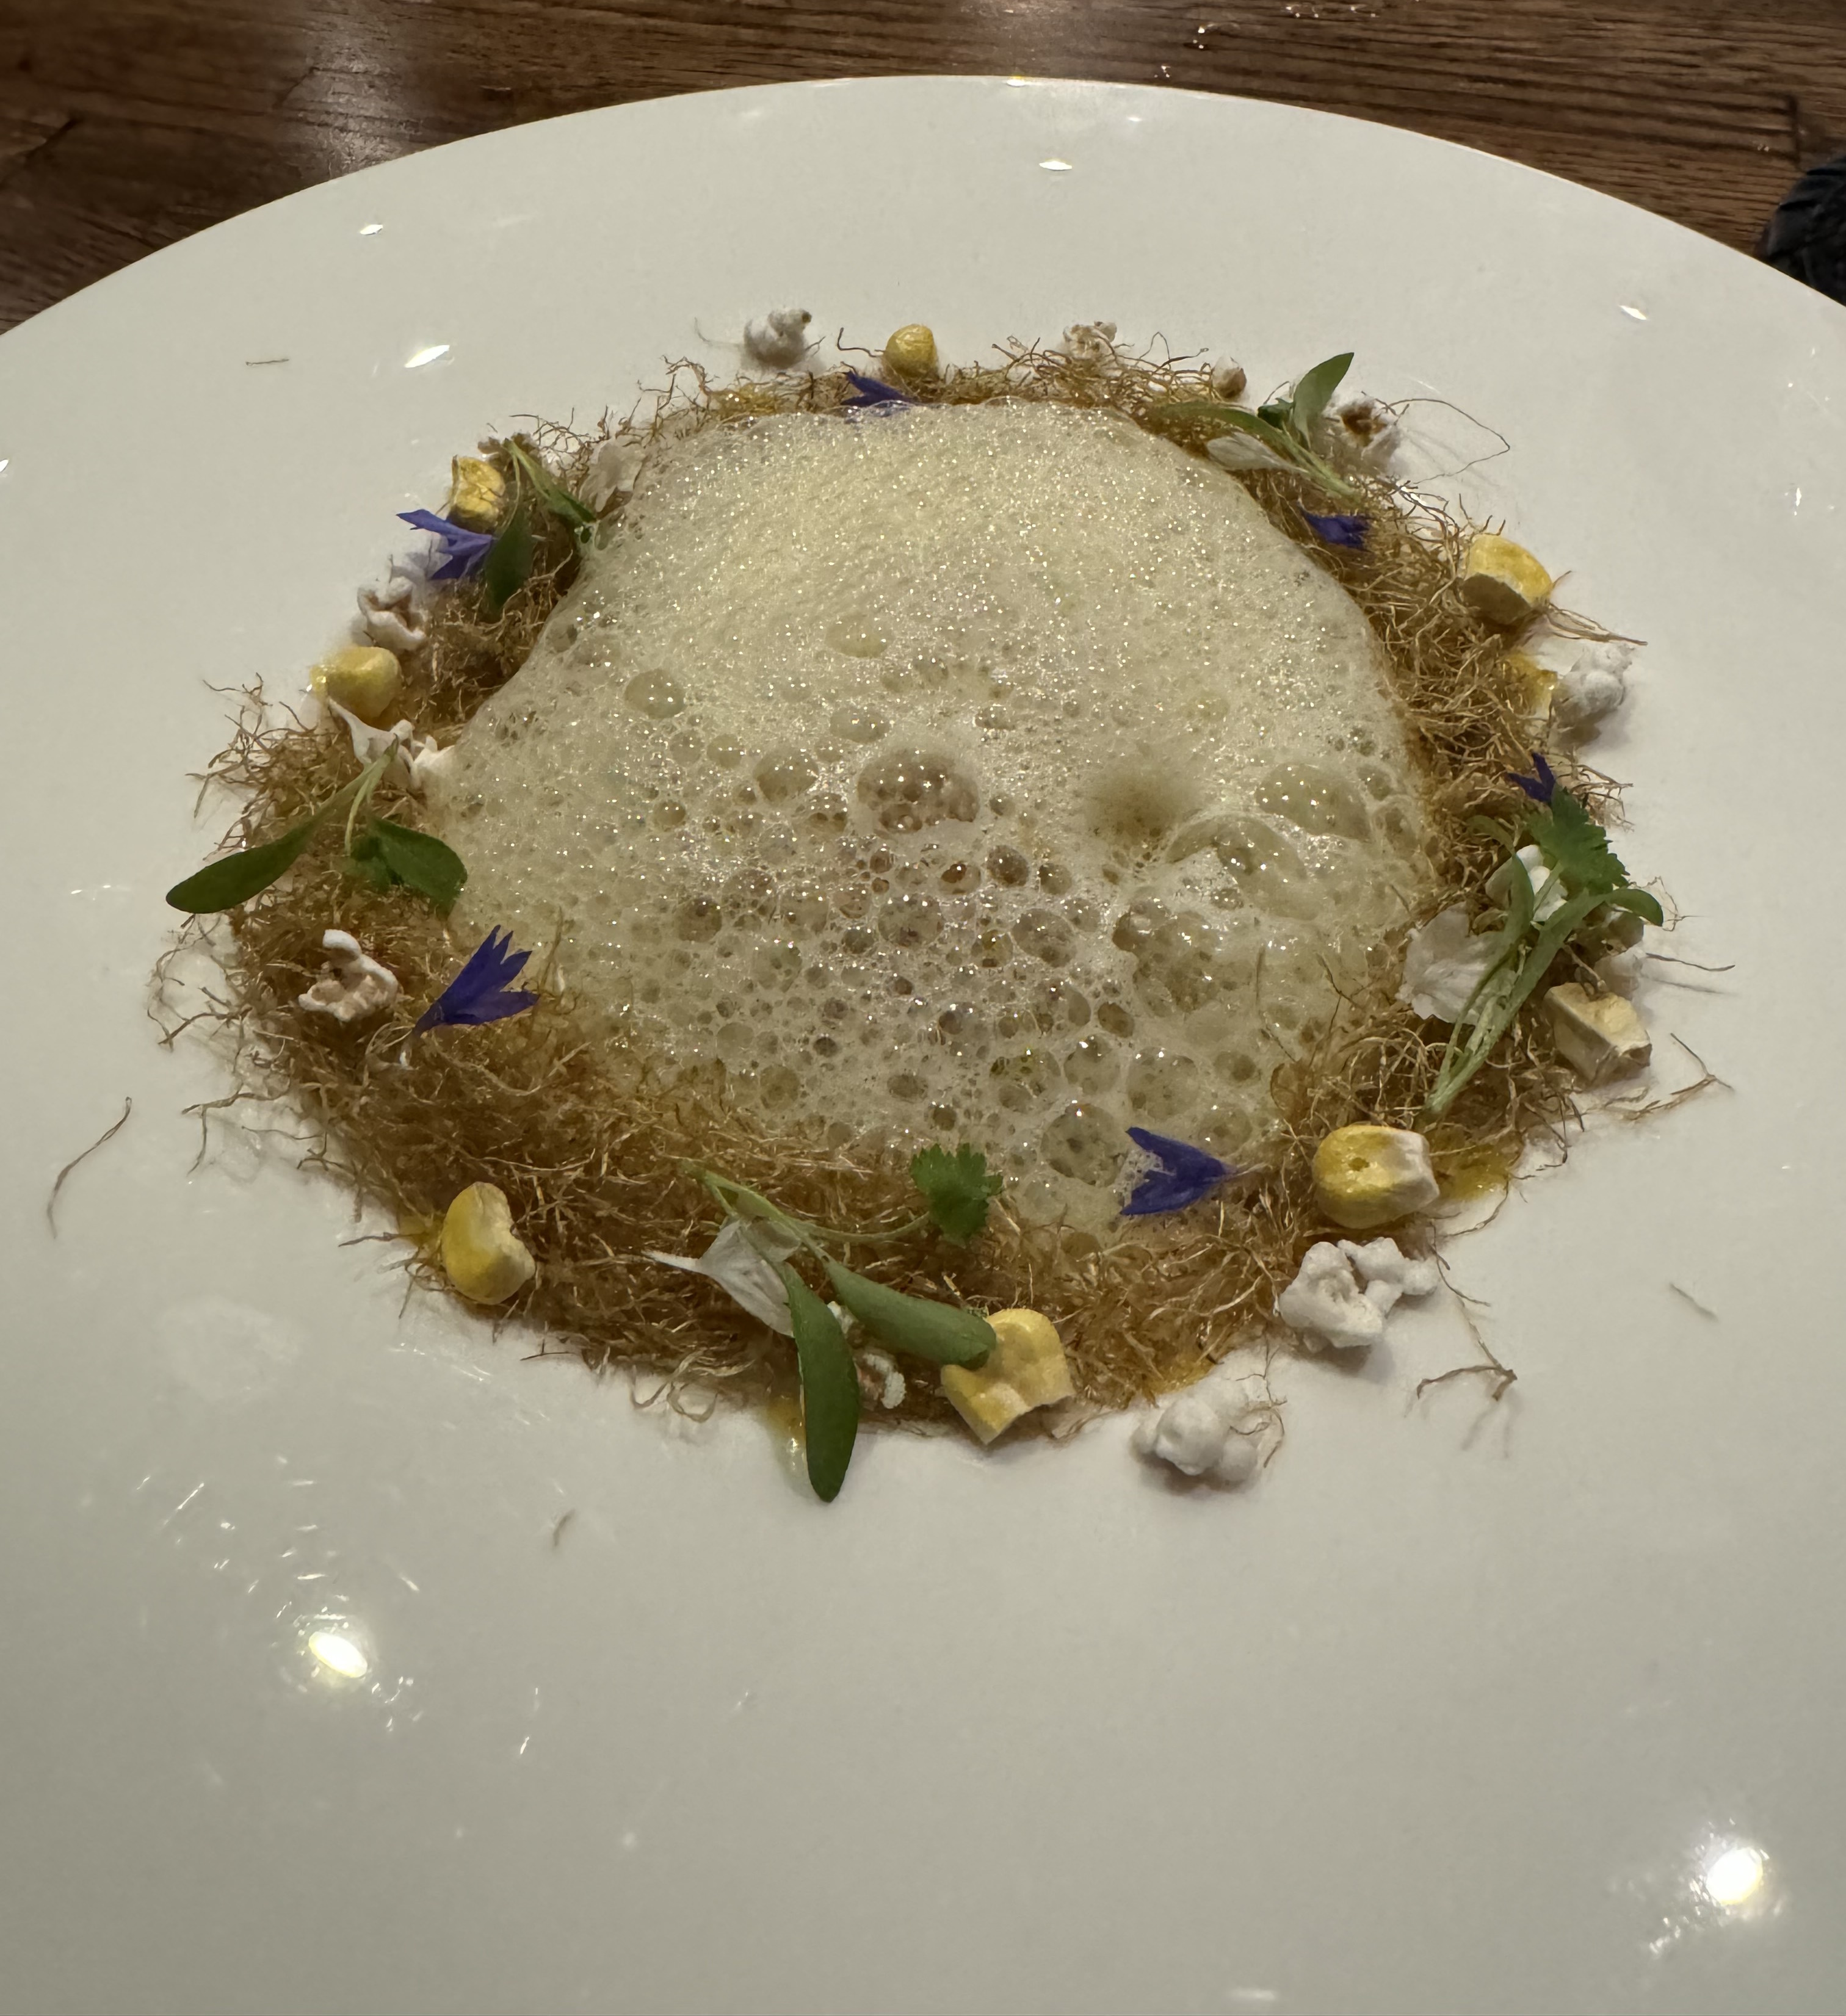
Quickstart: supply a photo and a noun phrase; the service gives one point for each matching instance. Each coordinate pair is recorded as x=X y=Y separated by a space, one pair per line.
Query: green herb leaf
x=1642 y=902
x=1281 y=440
x=556 y=499
x=235 y=879
x=934 y=1330
x=957 y=1188
x=1576 y=846
x=829 y=1386
x=1278 y=412
x=388 y=853
x=509 y=559
x=1315 y=390
x=1228 y=419
x=367 y=861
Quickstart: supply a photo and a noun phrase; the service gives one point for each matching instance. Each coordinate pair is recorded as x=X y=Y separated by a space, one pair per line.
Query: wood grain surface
x=126 y=123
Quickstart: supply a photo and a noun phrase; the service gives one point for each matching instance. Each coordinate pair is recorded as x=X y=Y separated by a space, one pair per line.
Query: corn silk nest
x=590 y=1144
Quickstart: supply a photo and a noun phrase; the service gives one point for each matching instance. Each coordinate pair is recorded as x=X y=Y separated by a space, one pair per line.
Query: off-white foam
x=997 y=773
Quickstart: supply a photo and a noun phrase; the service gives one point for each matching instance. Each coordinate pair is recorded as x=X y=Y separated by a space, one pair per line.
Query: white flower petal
x=743 y=1271
x=1242 y=451
x=1443 y=964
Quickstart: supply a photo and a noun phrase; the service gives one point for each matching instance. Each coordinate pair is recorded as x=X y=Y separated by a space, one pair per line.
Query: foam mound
x=997 y=772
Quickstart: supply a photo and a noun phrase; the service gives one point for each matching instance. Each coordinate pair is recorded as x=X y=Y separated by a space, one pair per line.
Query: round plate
x=358 y=1662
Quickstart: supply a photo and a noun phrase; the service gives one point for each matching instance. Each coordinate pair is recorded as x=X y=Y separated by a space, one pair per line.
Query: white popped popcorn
x=352 y=985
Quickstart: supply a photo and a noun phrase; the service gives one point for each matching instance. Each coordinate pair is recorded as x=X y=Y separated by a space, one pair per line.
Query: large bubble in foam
x=996 y=773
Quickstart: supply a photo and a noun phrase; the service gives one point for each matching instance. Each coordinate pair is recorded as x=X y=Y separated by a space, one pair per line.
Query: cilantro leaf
x=1575 y=846
x=956 y=1189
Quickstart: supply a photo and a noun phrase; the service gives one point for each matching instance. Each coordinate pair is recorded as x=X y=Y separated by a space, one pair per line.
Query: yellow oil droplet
x=1468 y=1173
x=782 y=1412
x=1534 y=682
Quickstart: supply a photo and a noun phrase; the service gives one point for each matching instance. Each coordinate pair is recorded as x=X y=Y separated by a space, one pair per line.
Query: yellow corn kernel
x=1366 y=1176
x=363 y=679
x=1502 y=581
x=482 y=1255
x=1600 y=1035
x=1026 y=1369
x=476 y=493
x=909 y=352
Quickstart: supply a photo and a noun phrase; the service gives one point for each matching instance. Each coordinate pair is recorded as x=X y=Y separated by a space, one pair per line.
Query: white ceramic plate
x=1450 y=1711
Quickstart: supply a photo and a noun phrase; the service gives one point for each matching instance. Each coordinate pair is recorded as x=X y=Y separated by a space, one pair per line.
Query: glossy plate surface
x=1532 y=1708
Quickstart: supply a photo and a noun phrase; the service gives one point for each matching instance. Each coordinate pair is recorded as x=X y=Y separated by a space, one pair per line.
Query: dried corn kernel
x=476 y=493
x=1502 y=581
x=1364 y=1176
x=1600 y=1035
x=363 y=679
x=909 y=352
x=1026 y=1369
x=482 y=1253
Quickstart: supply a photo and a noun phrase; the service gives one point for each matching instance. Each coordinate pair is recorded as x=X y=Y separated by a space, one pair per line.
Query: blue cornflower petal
x=1338 y=530
x=1539 y=787
x=479 y=992
x=871 y=393
x=463 y=553
x=1185 y=1175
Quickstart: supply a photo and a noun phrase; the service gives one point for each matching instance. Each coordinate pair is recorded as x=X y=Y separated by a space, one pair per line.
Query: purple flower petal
x=1185 y=1175
x=463 y=553
x=1539 y=787
x=479 y=992
x=869 y=393
x=1338 y=530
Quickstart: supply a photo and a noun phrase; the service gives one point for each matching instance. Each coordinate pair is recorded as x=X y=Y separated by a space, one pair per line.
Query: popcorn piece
x=879 y=1379
x=613 y=472
x=1548 y=888
x=1326 y=1301
x=1366 y=1176
x=1389 y=1275
x=392 y=615
x=1205 y=1431
x=1026 y=1368
x=1229 y=378
x=1366 y=429
x=779 y=340
x=1443 y=964
x=1620 y=972
x=477 y=493
x=353 y=985
x=1090 y=343
x=419 y=756
x=1502 y=581
x=1593 y=686
x=363 y=677
x=1599 y=1035
x=909 y=352
x=482 y=1253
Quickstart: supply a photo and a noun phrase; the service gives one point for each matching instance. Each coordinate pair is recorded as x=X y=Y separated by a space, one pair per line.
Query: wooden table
x=126 y=123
